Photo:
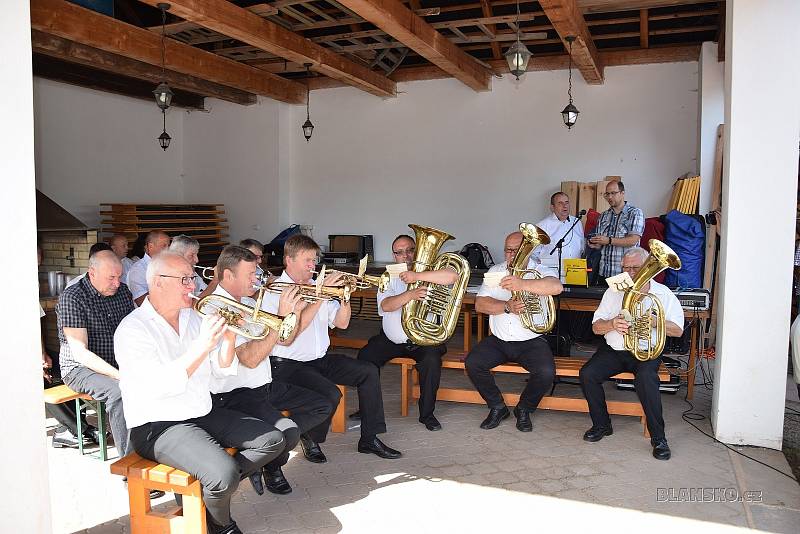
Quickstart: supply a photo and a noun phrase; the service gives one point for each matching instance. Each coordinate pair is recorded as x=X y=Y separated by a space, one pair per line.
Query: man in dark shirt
x=88 y=315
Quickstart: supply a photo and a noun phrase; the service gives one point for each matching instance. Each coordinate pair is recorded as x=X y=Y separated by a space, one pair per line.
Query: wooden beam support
x=69 y=21
x=607 y=6
x=568 y=21
x=401 y=23
x=486 y=7
x=644 y=28
x=238 y=23
x=63 y=49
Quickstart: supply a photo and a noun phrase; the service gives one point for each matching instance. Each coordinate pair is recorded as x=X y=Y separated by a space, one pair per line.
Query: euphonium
x=250 y=322
x=539 y=314
x=432 y=321
x=644 y=311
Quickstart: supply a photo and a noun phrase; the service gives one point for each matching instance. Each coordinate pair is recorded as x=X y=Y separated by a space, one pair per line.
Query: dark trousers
x=106 y=389
x=322 y=375
x=534 y=355
x=607 y=362
x=197 y=447
x=380 y=349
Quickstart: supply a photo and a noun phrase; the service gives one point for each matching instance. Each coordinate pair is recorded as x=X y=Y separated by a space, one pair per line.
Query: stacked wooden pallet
x=204 y=222
x=588 y=195
x=685 y=195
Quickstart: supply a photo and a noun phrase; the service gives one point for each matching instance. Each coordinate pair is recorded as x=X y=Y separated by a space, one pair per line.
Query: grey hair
x=102 y=255
x=159 y=263
x=637 y=251
x=182 y=243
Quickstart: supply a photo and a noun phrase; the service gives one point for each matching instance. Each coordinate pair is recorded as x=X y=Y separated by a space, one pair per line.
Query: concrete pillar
x=762 y=117
x=25 y=506
x=710 y=114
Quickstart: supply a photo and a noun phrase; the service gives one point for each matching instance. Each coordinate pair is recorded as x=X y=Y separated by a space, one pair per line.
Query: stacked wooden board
x=204 y=222
x=587 y=195
x=685 y=195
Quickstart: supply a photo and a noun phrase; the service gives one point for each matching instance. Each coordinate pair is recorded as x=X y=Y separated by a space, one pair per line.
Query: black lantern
x=163 y=96
x=164 y=138
x=518 y=54
x=570 y=113
x=308 y=126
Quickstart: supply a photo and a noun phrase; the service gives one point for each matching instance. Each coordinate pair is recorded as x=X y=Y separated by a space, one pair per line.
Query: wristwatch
x=506 y=309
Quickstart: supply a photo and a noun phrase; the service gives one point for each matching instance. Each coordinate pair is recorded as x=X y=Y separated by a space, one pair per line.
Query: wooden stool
x=61 y=394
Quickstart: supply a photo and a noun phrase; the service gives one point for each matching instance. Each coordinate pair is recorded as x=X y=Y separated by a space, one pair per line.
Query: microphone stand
x=560 y=247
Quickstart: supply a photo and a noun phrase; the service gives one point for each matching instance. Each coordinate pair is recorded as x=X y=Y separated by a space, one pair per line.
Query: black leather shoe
x=596 y=433
x=661 y=449
x=524 y=423
x=276 y=482
x=94 y=435
x=356 y=415
x=258 y=484
x=495 y=416
x=311 y=451
x=232 y=528
x=156 y=494
x=431 y=423
x=65 y=439
x=377 y=447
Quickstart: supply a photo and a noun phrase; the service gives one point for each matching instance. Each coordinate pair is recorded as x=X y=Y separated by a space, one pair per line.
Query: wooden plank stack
x=587 y=195
x=204 y=222
x=685 y=195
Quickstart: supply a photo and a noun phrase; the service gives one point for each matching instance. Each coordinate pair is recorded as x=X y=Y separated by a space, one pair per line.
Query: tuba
x=246 y=321
x=644 y=311
x=432 y=321
x=539 y=314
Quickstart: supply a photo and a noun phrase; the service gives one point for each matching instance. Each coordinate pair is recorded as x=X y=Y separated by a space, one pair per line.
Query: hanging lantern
x=570 y=113
x=163 y=96
x=308 y=126
x=517 y=57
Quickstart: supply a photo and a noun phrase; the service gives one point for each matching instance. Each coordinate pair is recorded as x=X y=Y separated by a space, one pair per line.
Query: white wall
x=94 y=147
x=476 y=164
x=710 y=114
x=232 y=157
x=25 y=506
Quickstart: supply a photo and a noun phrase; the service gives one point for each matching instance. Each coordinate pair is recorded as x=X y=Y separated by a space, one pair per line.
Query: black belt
x=278 y=359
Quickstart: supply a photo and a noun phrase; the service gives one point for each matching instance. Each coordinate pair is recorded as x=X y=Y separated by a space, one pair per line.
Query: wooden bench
x=63 y=393
x=145 y=475
x=565 y=367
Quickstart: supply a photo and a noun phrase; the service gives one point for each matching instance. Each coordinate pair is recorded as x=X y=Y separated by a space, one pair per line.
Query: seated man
x=255 y=246
x=393 y=341
x=305 y=363
x=119 y=244
x=252 y=390
x=612 y=358
x=154 y=243
x=512 y=342
x=165 y=352
x=188 y=247
x=94 y=249
x=88 y=315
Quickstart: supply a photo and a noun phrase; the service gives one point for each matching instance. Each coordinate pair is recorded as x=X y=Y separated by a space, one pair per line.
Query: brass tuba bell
x=432 y=321
x=644 y=311
x=539 y=314
x=246 y=321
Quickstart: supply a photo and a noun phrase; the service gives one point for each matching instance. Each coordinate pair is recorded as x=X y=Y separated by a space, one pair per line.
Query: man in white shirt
x=557 y=225
x=119 y=244
x=155 y=242
x=251 y=390
x=612 y=358
x=256 y=247
x=510 y=341
x=188 y=247
x=393 y=341
x=306 y=364
x=165 y=353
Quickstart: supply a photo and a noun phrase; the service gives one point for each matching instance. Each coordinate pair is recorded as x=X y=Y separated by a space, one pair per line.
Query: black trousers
x=106 y=389
x=380 y=349
x=322 y=375
x=534 y=355
x=197 y=447
x=607 y=362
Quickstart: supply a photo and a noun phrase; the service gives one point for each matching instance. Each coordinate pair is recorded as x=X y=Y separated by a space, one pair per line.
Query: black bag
x=477 y=256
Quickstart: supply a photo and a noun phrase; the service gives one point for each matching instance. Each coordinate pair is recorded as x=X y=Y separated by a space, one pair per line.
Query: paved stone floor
x=464 y=479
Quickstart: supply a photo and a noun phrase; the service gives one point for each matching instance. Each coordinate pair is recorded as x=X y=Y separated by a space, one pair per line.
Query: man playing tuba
x=612 y=358
x=511 y=341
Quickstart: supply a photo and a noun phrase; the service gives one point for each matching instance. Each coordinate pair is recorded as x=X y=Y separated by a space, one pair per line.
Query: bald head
x=165 y=276
x=155 y=242
x=105 y=271
x=512 y=244
x=119 y=244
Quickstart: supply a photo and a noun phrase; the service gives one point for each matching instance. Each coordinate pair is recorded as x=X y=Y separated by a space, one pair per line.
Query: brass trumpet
x=361 y=280
x=313 y=292
x=246 y=321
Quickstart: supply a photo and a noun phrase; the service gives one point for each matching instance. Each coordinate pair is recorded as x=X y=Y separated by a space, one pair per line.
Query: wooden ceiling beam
x=401 y=23
x=72 y=52
x=608 y=6
x=566 y=18
x=72 y=22
x=239 y=23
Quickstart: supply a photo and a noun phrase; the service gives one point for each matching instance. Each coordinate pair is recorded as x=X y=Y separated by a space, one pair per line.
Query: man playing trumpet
x=392 y=341
x=511 y=341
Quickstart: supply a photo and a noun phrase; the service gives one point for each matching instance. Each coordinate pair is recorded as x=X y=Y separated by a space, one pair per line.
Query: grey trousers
x=106 y=389
x=197 y=447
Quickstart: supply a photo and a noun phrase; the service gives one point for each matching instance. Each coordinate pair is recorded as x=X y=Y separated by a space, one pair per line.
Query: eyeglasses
x=185 y=280
x=608 y=194
x=404 y=251
x=510 y=250
x=631 y=267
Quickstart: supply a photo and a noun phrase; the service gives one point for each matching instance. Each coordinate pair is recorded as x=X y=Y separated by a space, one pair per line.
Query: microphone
x=581 y=214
